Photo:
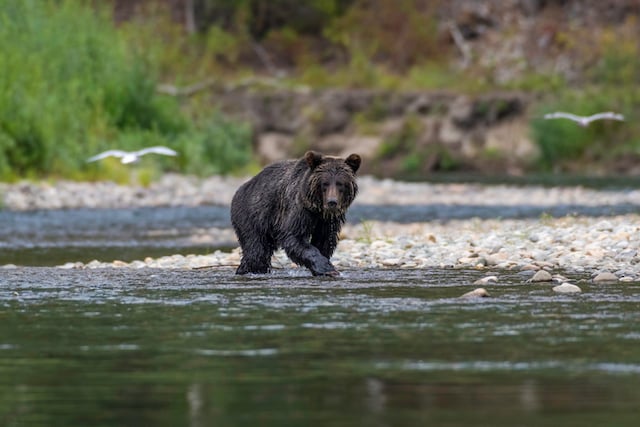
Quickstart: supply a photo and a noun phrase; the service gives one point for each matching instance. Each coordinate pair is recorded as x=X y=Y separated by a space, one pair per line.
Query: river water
x=114 y=347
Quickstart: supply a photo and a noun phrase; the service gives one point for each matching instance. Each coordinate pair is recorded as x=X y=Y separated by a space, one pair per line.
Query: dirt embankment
x=398 y=134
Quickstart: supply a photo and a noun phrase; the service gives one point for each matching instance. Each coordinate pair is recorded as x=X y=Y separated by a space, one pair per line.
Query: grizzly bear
x=298 y=205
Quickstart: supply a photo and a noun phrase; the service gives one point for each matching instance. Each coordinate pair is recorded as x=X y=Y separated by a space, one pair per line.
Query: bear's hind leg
x=255 y=259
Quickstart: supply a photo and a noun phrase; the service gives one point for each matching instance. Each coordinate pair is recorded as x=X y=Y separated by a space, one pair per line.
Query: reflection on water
x=389 y=347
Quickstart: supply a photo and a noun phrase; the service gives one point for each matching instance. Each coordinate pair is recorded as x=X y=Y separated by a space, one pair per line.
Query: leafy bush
x=562 y=141
x=219 y=146
x=57 y=84
x=73 y=85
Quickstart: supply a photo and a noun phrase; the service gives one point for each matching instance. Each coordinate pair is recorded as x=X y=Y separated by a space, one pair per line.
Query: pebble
x=605 y=277
x=559 y=278
x=485 y=280
x=572 y=243
x=567 y=288
x=541 y=276
x=476 y=293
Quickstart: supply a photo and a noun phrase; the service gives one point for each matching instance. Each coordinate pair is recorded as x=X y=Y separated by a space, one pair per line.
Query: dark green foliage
x=259 y=17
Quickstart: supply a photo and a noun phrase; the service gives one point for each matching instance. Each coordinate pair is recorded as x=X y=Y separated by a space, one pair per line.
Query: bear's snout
x=331 y=198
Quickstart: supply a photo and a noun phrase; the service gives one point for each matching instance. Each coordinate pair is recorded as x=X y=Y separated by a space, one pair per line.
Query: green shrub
x=562 y=141
x=73 y=85
x=403 y=141
x=67 y=92
x=219 y=146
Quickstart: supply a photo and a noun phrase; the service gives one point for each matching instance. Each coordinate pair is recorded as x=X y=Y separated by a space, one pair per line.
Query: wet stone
x=567 y=288
x=526 y=273
x=476 y=293
x=605 y=277
x=389 y=262
x=485 y=280
x=559 y=278
x=541 y=276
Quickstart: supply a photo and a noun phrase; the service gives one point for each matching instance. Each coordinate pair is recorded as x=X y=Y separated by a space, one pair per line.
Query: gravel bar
x=575 y=243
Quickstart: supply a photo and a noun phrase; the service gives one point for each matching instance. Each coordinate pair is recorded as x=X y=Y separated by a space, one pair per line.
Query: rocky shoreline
x=580 y=244
x=180 y=190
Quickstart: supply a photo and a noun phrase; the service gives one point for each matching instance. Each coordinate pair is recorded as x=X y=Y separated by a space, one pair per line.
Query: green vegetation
x=565 y=145
x=76 y=82
x=418 y=156
x=610 y=85
x=67 y=95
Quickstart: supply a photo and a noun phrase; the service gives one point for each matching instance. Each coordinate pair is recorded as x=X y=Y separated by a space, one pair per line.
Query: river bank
x=578 y=243
x=180 y=190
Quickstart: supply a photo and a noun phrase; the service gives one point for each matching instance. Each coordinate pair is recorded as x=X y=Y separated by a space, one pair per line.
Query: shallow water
x=120 y=347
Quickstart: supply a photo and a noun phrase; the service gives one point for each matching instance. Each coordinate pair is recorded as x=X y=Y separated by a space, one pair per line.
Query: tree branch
x=463 y=46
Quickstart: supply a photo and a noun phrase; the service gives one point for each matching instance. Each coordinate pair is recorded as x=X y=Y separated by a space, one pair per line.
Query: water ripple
x=491 y=366
x=248 y=353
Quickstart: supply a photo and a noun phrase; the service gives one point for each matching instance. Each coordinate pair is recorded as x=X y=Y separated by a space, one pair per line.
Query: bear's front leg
x=303 y=253
x=325 y=237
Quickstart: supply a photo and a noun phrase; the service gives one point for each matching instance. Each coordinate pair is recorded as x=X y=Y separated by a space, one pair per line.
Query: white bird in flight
x=585 y=120
x=133 y=156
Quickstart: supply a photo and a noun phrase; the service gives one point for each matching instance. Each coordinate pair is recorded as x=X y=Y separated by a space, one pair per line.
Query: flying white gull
x=585 y=120
x=133 y=156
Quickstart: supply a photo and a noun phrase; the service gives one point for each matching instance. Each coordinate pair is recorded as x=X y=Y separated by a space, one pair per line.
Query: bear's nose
x=332 y=203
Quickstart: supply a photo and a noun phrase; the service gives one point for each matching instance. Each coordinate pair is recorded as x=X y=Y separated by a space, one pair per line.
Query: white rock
x=567 y=288
x=541 y=276
x=559 y=278
x=69 y=265
x=605 y=277
x=476 y=293
x=485 y=280
x=604 y=225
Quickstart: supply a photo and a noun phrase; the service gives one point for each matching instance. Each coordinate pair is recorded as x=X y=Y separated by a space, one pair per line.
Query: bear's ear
x=313 y=159
x=353 y=161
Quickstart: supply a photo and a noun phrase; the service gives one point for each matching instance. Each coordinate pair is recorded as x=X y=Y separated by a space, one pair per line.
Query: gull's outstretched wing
x=157 y=150
x=108 y=153
x=609 y=115
x=563 y=115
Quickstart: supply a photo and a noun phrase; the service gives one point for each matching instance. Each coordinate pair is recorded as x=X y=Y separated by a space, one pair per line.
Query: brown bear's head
x=332 y=182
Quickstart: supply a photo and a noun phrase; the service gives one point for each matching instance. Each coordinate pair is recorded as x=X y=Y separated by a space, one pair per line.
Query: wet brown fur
x=298 y=205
